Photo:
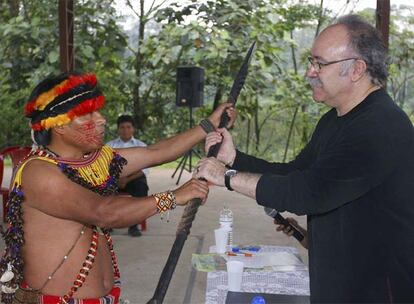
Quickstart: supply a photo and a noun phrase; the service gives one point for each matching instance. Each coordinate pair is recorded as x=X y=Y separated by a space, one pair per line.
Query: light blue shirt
x=133 y=142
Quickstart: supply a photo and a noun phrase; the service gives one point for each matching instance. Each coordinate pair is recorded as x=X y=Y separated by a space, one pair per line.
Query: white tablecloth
x=294 y=282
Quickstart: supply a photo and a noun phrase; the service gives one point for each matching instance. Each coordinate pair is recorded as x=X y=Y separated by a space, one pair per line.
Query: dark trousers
x=137 y=188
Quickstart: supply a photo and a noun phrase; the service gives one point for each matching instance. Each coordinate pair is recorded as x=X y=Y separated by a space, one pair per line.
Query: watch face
x=231 y=172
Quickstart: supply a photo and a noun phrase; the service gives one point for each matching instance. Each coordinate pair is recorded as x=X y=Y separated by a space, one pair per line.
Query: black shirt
x=355 y=181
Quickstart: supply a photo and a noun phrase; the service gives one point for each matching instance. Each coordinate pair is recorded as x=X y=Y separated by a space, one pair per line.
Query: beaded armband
x=165 y=201
x=207 y=126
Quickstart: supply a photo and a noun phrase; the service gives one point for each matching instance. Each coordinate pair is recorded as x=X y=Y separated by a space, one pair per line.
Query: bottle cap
x=254 y=248
x=251 y=248
x=258 y=300
x=235 y=249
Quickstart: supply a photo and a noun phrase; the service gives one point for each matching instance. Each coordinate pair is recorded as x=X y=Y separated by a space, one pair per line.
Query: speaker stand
x=187 y=157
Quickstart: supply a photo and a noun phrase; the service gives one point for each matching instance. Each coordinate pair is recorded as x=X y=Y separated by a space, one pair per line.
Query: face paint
x=89 y=130
x=87 y=133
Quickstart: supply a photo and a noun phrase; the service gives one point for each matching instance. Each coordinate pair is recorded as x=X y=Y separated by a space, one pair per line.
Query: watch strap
x=227 y=182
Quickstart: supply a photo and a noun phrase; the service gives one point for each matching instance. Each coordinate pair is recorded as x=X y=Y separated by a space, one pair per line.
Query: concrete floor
x=142 y=259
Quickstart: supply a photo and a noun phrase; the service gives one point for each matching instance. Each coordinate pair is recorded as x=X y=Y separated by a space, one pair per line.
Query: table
x=294 y=281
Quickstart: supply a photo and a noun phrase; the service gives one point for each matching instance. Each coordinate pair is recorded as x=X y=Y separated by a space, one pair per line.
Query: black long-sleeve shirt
x=355 y=181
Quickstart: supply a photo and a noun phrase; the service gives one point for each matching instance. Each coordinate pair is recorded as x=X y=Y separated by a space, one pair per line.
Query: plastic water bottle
x=226 y=221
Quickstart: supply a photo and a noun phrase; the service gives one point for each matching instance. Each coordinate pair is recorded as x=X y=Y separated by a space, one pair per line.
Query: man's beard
x=314 y=82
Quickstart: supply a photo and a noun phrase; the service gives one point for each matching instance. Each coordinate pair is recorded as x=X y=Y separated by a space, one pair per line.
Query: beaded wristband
x=165 y=201
x=207 y=126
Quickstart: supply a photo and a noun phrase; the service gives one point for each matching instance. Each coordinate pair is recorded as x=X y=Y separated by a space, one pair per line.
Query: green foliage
x=217 y=41
x=401 y=80
x=229 y=28
x=29 y=52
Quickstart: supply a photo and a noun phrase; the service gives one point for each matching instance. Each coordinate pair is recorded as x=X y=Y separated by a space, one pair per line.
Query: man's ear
x=359 y=70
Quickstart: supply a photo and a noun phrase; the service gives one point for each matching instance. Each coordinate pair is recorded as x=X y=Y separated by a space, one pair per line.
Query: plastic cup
x=234 y=275
x=221 y=240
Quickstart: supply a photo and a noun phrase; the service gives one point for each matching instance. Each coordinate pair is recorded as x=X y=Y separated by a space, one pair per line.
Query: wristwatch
x=227 y=175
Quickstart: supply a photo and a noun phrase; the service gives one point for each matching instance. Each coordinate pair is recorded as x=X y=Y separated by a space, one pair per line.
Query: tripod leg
x=179 y=165
x=196 y=153
x=182 y=168
x=190 y=160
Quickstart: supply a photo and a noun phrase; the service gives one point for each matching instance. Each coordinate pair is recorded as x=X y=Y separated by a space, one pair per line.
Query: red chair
x=16 y=154
x=143 y=225
x=3 y=190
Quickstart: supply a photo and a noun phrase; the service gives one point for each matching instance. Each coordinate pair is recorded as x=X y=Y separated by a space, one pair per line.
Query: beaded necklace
x=99 y=173
x=88 y=263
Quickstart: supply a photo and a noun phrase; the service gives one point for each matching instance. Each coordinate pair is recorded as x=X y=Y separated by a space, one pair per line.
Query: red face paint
x=89 y=130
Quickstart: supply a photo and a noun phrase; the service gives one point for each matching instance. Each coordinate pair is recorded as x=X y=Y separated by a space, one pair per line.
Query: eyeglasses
x=317 y=65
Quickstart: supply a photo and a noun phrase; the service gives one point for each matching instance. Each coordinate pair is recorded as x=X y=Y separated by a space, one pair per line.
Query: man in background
x=136 y=183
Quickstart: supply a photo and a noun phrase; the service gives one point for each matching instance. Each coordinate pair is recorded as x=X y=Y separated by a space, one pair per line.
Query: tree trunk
x=383 y=19
x=14 y=7
x=383 y=22
x=318 y=26
x=292 y=50
x=248 y=136
x=256 y=123
x=292 y=123
x=139 y=111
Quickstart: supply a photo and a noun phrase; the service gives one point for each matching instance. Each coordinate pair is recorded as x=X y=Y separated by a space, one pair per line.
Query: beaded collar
x=99 y=172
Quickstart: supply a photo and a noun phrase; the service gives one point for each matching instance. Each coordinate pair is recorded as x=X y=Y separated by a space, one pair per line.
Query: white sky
x=337 y=6
x=333 y=4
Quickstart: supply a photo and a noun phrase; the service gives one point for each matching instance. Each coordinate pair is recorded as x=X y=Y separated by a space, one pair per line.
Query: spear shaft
x=190 y=211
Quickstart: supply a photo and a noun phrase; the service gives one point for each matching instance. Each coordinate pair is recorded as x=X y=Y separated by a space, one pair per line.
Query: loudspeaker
x=190 y=87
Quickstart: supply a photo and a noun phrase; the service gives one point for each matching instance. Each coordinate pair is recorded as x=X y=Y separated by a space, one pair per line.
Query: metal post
x=67 y=52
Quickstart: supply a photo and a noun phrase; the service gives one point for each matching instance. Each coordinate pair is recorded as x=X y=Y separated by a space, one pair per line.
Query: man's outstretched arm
x=171 y=148
x=51 y=192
